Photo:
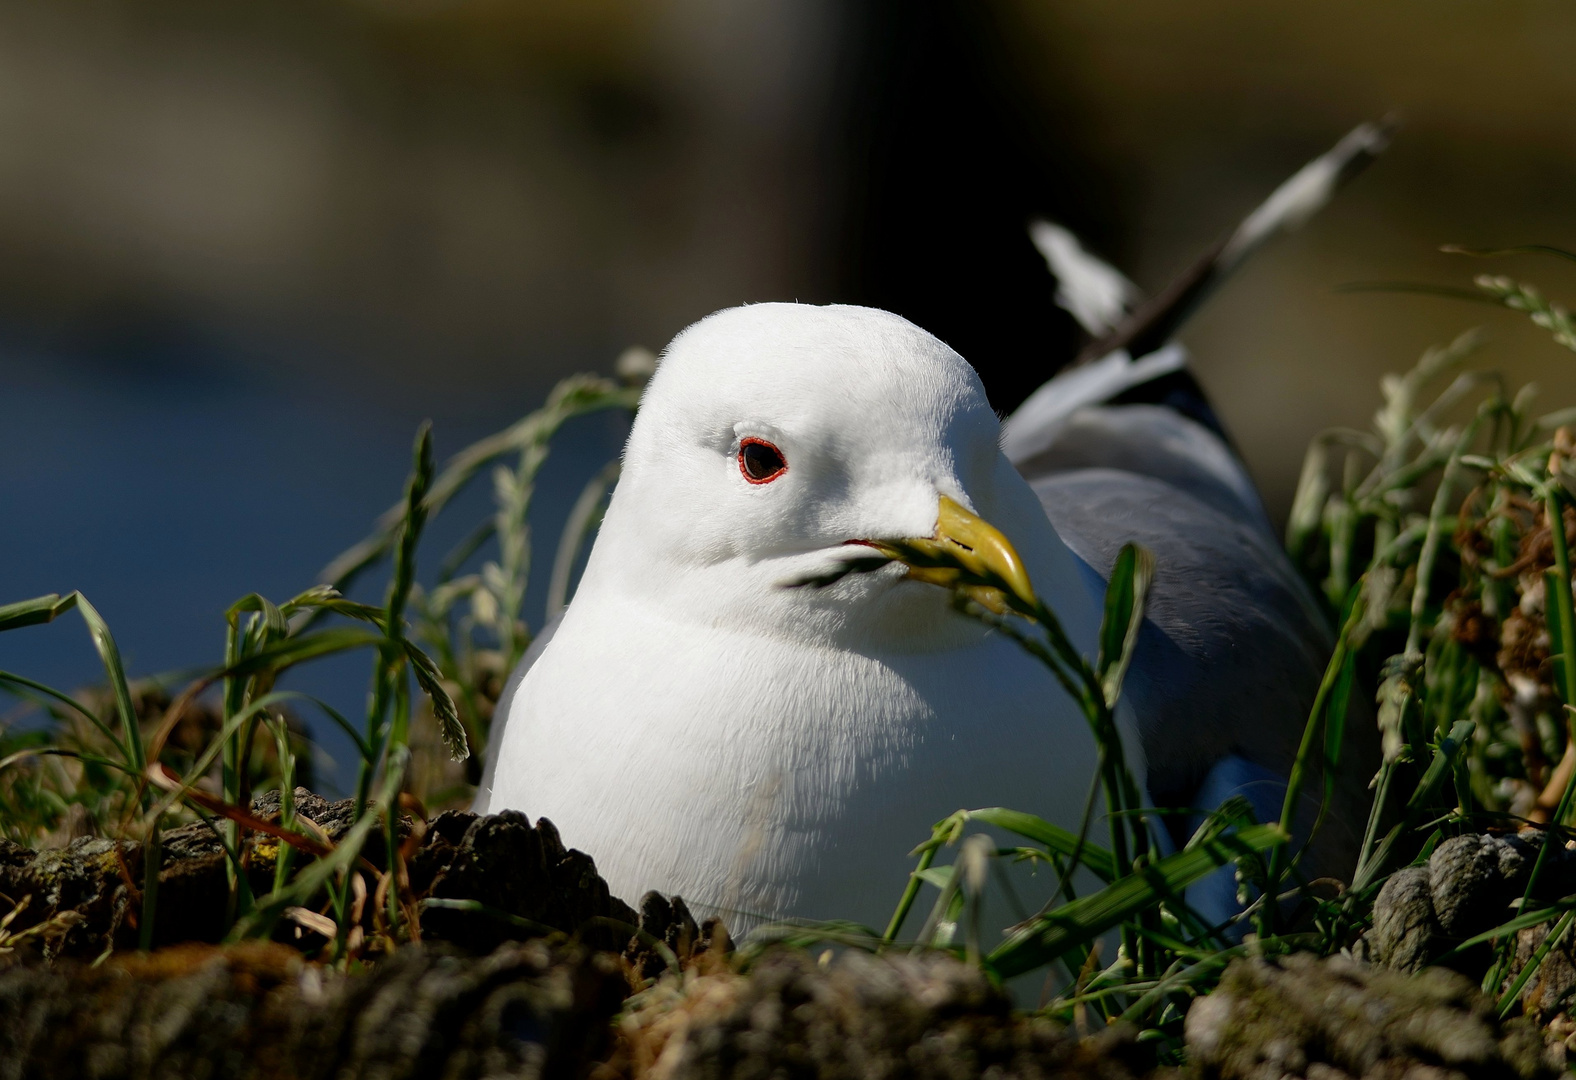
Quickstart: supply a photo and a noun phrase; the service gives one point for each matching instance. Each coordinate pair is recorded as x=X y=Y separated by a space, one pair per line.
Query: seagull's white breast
x=761 y=776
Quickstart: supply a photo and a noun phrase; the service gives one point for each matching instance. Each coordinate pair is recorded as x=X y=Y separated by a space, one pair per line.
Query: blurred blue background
x=245 y=250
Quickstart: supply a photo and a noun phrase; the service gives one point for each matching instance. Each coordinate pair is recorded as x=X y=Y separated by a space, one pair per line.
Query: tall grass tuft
x=113 y=768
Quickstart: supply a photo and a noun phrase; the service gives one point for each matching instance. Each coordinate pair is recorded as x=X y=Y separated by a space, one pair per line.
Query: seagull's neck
x=869 y=614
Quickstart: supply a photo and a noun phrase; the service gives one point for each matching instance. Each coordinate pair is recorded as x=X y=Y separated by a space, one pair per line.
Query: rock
x=1405 y=932
x=259 y=1012
x=334 y=818
x=1470 y=885
x=1549 y=992
x=79 y=896
x=499 y=862
x=193 y=895
x=1473 y=879
x=1300 y=1016
x=307 y=804
x=914 y=1016
x=13 y=854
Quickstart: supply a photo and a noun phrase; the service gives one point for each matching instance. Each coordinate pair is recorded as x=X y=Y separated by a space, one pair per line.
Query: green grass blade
x=45 y=609
x=1560 y=580
x=1534 y=962
x=1297 y=777
x=1053 y=837
x=1086 y=918
x=66 y=752
x=462 y=551
x=576 y=396
x=273 y=618
x=316 y=875
x=41 y=609
x=304 y=647
x=1519 y=249
x=410 y=529
x=342 y=723
x=1183 y=979
x=430 y=679
x=326 y=598
x=115 y=671
x=1307 y=505
x=530 y=926
x=1422 y=802
x=36 y=691
x=910 y=892
x=205 y=760
x=1510 y=926
x=1335 y=726
x=385 y=732
x=1125 y=598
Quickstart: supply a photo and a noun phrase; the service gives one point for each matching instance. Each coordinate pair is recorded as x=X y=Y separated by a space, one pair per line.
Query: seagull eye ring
x=760 y=462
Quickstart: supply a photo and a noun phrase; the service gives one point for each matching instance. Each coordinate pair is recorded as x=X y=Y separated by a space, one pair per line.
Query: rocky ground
x=1425 y=914
x=487 y=995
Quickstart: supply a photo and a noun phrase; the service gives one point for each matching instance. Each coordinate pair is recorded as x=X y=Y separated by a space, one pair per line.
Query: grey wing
x=501 y=714
x=1228 y=642
x=1148 y=440
x=1233 y=647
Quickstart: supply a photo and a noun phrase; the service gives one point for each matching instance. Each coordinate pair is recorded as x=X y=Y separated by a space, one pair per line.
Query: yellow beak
x=969 y=554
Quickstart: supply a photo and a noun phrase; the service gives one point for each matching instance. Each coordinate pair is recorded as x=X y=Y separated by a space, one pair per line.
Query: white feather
x=1035 y=423
x=1303 y=194
x=1093 y=291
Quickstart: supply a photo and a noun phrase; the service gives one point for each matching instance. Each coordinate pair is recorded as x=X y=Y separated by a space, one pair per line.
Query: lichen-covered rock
x=1552 y=988
x=334 y=818
x=1473 y=879
x=1300 y=1016
x=259 y=1012
x=1470 y=885
x=80 y=896
x=858 y=1017
x=1405 y=932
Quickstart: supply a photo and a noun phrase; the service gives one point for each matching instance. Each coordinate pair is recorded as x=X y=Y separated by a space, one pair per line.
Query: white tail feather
x=1304 y=193
x=1035 y=423
x=1093 y=291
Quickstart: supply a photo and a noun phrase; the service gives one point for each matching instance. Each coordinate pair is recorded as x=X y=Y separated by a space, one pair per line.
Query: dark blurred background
x=245 y=248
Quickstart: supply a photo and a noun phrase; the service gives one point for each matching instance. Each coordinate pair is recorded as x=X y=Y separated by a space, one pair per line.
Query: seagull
x=700 y=728
x=766 y=751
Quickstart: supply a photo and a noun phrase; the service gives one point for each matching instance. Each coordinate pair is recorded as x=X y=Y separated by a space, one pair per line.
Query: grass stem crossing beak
x=966 y=553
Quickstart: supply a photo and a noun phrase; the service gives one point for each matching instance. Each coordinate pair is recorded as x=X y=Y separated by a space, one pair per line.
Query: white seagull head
x=777 y=442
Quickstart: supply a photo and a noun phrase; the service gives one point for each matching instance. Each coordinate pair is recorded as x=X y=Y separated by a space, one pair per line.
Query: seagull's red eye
x=760 y=461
